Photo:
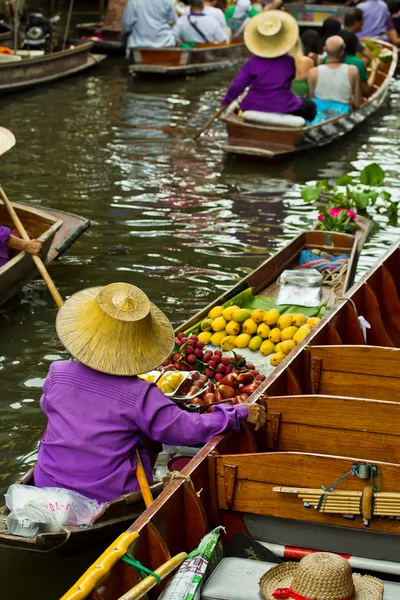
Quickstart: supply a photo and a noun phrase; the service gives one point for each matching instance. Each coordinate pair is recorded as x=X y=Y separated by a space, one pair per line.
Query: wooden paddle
x=37 y=260
x=142 y=480
x=209 y=122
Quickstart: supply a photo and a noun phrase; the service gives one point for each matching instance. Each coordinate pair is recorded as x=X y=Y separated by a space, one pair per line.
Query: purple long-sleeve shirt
x=95 y=422
x=4 y=236
x=270 y=80
x=376 y=18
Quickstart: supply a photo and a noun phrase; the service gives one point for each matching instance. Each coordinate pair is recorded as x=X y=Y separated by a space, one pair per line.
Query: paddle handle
x=142 y=480
x=209 y=122
x=37 y=260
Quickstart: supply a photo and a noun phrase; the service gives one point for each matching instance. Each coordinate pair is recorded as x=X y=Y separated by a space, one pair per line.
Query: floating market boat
x=119 y=513
x=57 y=230
x=323 y=474
x=179 y=62
x=251 y=138
x=30 y=68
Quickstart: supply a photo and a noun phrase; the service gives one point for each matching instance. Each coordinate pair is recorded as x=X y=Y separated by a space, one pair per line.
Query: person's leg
x=307 y=110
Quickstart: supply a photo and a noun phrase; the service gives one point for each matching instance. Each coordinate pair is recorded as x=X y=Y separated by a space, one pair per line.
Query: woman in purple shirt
x=270 y=71
x=9 y=241
x=98 y=411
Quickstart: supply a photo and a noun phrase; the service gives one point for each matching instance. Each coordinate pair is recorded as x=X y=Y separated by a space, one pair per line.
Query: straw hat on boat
x=7 y=140
x=319 y=576
x=271 y=34
x=115 y=329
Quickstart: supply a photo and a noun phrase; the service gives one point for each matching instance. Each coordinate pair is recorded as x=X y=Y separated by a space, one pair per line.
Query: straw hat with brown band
x=271 y=34
x=115 y=329
x=319 y=576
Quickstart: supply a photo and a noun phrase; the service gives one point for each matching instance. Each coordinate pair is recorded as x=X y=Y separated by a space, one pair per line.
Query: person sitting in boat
x=330 y=27
x=311 y=45
x=335 y=81
x=377 y=21
x=271 y=70
x=237 y=17
x=98 y=411
x=353 y=20
x=211 y=10
x=271 y=5
x=8 y=241
x=197 y=27
x=148 y=24
x=350 y=39
x=303 y=65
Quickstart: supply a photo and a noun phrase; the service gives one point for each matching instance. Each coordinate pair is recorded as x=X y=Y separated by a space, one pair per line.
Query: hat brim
x=281 y=576
x=276 y=45
x=112 y=346
x=7 y=140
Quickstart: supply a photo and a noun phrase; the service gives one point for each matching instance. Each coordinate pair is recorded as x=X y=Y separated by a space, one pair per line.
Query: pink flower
x=352 y=215
x=321 y=217
x=335 y=212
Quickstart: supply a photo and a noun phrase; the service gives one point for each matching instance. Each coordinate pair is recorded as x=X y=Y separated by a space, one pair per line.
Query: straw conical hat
x=271 y=34
x=319 y=576
x=7 y=140
x=115 y=329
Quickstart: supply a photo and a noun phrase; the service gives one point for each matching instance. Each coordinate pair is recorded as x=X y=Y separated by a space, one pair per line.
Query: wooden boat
x=120 y=512
x=179 y=62
x=269 y=141
x=17 y=75
x=57 y=230
x=323 y=474
x=106 y=35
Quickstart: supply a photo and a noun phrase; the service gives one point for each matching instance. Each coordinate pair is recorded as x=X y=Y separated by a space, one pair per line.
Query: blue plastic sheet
x=326 y=109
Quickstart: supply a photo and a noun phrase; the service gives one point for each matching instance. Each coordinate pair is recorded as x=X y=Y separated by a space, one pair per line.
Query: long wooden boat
x=17 y=75
x=323 y=474
x=120 y=512
x=179 y=62
x=105 y=40
x=269 y=141
x=57 y=230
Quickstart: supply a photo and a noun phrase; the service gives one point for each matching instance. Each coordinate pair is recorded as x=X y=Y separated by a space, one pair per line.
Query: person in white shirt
x=198 y=27
x=148 y=23
x=210 y=9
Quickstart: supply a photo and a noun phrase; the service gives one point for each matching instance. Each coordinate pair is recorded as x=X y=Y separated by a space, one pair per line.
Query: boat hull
x=110 y=39
x=249 y=139
x=18 y=76
x=179 y=62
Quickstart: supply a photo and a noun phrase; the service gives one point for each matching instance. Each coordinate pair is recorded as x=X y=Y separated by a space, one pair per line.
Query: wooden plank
x=370 y=360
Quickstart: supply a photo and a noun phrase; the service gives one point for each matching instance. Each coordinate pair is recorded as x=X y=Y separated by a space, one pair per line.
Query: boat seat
x=9 y=58
x=279 y=119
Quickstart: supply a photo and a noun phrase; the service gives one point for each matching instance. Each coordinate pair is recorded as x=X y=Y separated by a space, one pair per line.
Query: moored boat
x=56 y=229
x=120 y=512
x=179 y=62
x=247 y=137
x=30 y=68
x=313 y=15
x=323 y=474
x=105 y=35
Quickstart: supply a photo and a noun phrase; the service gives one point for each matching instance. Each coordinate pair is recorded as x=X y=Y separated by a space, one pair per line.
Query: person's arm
x=393 y=37
x=354 y=79
x=367 y=86
x=220 y=34
x=32 y=246
x=128 y=18
x=177 y=29
x=312 y=79
x=238 y=85
x=163 y=421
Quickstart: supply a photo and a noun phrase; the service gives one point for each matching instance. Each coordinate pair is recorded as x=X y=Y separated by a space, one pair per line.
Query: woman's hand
x=257 y=415
x=33 y=247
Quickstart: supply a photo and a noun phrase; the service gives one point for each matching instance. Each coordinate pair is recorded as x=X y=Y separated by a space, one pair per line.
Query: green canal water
x=178 y=219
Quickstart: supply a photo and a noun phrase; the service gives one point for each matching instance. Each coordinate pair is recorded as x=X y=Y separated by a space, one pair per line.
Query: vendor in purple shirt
x=270 y=71
x=98 y=410
x=9 y=241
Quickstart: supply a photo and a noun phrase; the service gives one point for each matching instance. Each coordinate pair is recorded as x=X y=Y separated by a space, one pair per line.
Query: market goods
x=263 y=330
x=299 y=320
x=205 y=336
x=228 y=312
x=240 y=315
x=275 y=335
x=233 y=328
x=170 y=382
x=271 y=316
x=249 y=326
x=216 y=312
x=286 y=346
x=285 y=321
x=267 y=347
x=206 y=325
x=277 y=358
x=288 y=333
x=218 y=324
x=257 y=315
x=242 y=340
x=218 y=337
x=313 y=321
x=255 y=343
x=229 y=342
x=301 y=333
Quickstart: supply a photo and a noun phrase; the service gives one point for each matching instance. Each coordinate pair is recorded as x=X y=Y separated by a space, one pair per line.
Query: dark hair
x=311 y=42
x=353 y=16
x=197 y=4
x=351 y=41
x=329 y=28
x=393 y=6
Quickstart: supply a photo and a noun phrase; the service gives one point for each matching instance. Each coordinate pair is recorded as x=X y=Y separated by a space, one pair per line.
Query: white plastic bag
x=30 y=521
x=68 y=507
x=300 y=288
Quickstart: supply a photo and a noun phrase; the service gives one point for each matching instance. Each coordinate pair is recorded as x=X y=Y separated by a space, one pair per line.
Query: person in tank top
x=335 y=81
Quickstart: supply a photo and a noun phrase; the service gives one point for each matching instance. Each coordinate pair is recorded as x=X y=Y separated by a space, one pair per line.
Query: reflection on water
x=178 y=219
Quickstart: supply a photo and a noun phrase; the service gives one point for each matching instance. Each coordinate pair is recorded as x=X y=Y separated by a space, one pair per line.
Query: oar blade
x=7 y=140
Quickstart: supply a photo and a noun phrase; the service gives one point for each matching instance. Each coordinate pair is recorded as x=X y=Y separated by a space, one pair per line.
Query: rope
x=178 y=475
x=353 y=471
x=143 y=571
x=335 y=278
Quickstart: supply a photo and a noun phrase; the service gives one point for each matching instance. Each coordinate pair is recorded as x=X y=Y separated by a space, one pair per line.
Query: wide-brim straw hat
x=271 y=34
x=7 y=140
x=115 y=329
x=319 y=576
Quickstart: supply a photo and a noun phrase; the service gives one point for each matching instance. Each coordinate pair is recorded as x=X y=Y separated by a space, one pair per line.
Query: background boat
x=269 y=141
x=56 y=229
x=311 y=16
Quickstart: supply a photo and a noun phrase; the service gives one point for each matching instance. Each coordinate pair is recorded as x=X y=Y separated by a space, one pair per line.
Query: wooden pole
x=37 y=260
x=209 y=122
x=66 y=32
x=16 y=25
x=142 y=480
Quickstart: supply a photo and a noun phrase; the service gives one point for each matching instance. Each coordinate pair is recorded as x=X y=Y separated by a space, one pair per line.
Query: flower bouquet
x=338 y=219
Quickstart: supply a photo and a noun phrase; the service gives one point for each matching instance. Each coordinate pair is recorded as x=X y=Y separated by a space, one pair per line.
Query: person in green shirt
x=236 y=16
